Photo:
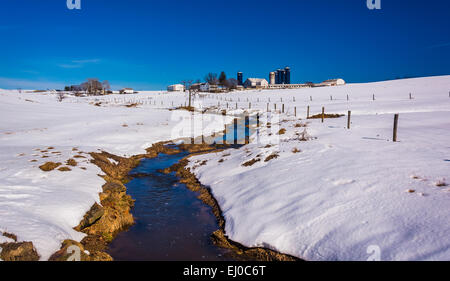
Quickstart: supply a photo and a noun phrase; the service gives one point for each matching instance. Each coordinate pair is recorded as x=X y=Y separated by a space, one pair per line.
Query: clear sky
x=148 y=44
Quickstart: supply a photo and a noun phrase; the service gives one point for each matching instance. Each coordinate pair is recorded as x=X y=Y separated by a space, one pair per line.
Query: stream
x=172 y=224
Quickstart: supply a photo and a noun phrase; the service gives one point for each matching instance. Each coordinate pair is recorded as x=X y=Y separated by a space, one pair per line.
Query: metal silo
x=240 y=78
x=272 y=78
x=287 y=75
x=282 y=76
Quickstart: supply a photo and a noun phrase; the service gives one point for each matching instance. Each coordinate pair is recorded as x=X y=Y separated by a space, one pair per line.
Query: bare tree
x=106 y=86
x=211 y=78
x=231 y=83
x=60 y=96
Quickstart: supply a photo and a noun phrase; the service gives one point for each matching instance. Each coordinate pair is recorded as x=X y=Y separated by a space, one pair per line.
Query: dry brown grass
x=441 y=183
x=300 y=125
x=282 y=131
x=296 y=150
x=251 y=162
x=10 y=235
x=72 y=162
x=188 y=108
x=49 y=166
x=319 y=116
x=270 y=157
x=64 y=169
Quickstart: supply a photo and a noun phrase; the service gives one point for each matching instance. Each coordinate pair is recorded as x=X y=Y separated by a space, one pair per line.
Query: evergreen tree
x=222 y=78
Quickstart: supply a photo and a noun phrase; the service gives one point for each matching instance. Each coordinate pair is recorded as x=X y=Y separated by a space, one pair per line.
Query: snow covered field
x=348 y=194
x=43 y=207
x=345 y=190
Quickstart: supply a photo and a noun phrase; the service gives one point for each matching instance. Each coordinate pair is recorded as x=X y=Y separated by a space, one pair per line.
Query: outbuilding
x=127 y=91
x=175 y=88
x=333 y=82
x=256 y=83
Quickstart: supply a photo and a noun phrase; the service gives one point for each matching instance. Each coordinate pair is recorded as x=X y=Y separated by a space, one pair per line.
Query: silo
x=287 y=79
x=272 y=78
x=278 y=77
x=240 y=78
x=282 y=76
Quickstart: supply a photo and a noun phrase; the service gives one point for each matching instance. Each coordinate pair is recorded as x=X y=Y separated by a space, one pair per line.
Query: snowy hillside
x=344 y=194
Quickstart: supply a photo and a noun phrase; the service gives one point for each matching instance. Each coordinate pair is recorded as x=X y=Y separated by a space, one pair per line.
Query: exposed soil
x=18 y=251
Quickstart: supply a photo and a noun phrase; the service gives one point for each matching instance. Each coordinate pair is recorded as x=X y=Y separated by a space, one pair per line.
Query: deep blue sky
x=150 y=44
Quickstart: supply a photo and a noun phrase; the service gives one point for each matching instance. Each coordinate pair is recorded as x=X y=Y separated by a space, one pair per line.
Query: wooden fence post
x=348 y=120
x=283 y=108
x=225 y=129
x=395 y=127
x=347 y=97
x=323 y=113
x=235 y=130
x=307 y=112
x=257 y=119
x=247 y=130
x=373 y=97
x=295 y=111
x=310 y=98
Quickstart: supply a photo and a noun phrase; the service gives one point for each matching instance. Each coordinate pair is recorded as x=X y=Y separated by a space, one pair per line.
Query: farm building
x=126 y=91
x=175 y=88
x=206 y=87
x=256 y=83
x=332 y=82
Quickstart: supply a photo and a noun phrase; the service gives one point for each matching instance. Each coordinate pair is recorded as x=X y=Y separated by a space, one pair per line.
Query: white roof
x=256 y=79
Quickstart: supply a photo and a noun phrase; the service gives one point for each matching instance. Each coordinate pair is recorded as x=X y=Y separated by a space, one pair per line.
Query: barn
x=256 y=83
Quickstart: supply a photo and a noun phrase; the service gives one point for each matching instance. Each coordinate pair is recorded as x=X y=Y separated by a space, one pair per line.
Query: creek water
x=171 y=222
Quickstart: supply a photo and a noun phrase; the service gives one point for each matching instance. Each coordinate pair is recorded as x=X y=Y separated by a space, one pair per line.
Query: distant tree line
x=220 y=80
x=92 y=86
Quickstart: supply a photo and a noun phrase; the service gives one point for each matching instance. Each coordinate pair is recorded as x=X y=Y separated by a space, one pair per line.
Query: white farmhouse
x=127 y=91
x=175 y=88
x=206 y=87
x=256 y=83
